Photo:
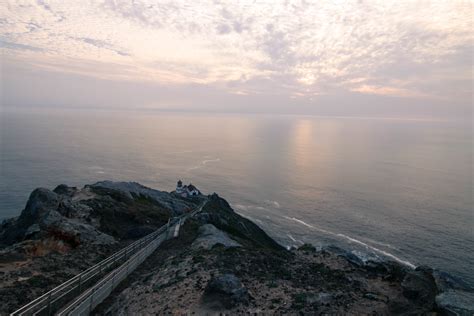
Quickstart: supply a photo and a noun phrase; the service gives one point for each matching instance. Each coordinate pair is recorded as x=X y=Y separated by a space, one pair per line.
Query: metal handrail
x=108 y=282
x=37 y=305
x=87 y=301
x=45 y=303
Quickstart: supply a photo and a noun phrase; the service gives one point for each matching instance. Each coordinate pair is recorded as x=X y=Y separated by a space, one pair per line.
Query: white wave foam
x=367 y=246
x=250 y=218
x=273 y=203
x=387 y=254
x=291 y=237
x=248 y=207
x=180 y=152
x=205 y=162
x=299 y=221
x=308 y=225
x=240 y=207
x=382 y=244
x=194 y=168
x=295 y=240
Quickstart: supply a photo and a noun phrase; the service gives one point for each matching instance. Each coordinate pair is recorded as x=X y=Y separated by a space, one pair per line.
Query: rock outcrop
x=419 y=286
x=220 y=262
x=209 y=236
x=220 y=214
x=225 y=291
x=49 y=215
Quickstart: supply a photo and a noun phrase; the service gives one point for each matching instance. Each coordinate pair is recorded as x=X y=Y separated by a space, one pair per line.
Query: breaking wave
x=273 y=203
x=203 y=163
x=367 y=246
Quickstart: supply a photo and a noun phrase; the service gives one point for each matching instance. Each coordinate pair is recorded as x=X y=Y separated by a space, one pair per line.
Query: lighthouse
x=186 y=190
x=179 y=187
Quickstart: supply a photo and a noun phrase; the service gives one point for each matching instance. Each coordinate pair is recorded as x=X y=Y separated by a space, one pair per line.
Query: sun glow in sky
x=250 y=55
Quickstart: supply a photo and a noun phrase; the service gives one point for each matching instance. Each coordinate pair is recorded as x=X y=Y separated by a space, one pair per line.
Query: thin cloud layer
x=297 y=49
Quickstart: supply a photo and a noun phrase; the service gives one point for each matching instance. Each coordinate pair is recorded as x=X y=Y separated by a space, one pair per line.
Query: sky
x=363 y=58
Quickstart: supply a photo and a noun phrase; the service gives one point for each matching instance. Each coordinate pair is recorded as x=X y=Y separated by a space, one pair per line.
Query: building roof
x=191 y=187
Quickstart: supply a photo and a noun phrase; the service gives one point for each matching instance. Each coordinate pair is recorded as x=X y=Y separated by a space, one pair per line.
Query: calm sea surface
x=382 y=187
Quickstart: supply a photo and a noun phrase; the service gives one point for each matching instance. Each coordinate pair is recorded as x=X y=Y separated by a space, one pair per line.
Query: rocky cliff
x=221 y=262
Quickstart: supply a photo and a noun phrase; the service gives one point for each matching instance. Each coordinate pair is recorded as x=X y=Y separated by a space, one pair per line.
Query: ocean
x=384 y=188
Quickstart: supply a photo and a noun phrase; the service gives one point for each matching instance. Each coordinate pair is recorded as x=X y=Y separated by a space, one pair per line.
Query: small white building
x=186 y=190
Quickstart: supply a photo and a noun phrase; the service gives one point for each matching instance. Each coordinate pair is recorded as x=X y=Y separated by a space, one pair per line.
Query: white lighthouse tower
x=179 y=187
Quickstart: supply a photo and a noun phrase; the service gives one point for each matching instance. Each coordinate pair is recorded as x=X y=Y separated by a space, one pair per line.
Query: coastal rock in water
x=225 y=291
x=459 y=303
x=390 y=270
x=209 y=236
x=349 y=256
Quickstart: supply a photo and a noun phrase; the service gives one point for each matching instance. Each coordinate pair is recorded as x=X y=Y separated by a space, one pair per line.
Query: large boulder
x=419 y=286
x=40 y=203
x=225 y=291
x=210 y=236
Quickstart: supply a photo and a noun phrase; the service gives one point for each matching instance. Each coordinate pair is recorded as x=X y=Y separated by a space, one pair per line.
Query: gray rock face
x=209 y=236
x=176 y=205
x=48 y=214
x=221 y=215
x=454 y=302
x=225 y=291
x=85 y=233
x=40 y=203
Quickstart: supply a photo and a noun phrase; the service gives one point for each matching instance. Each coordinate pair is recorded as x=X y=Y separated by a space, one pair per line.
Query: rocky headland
x=221 y=262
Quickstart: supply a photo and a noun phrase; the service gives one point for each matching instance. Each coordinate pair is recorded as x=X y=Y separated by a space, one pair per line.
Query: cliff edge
x=220 y=262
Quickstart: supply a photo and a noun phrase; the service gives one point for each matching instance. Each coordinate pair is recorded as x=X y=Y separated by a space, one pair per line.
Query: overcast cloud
x=321 y=57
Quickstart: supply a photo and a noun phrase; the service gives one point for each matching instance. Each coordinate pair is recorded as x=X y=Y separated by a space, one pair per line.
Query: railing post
x=49 y=304
x=91 y=300
x=79 y=287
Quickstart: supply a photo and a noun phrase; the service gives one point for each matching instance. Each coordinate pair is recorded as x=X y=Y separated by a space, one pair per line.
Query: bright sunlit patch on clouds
x=297 y=48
